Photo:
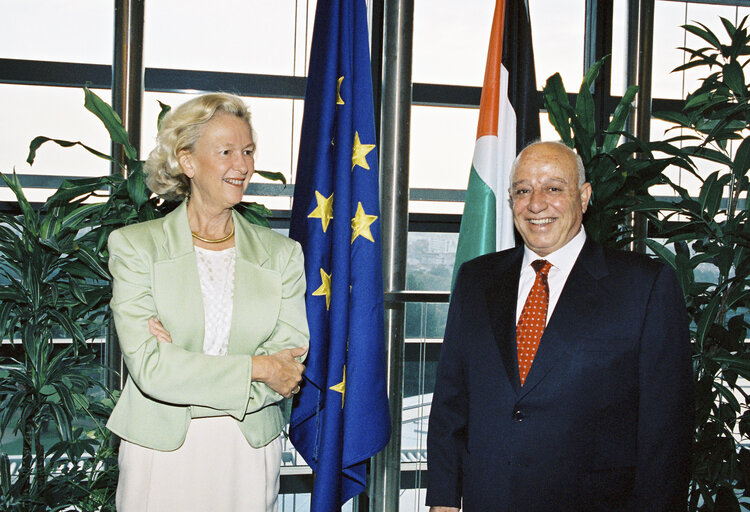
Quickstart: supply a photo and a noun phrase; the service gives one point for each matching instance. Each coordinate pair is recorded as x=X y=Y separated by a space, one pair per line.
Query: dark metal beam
x=642 y=114
x=597 y=45
x=127 y=100
x=70 y=74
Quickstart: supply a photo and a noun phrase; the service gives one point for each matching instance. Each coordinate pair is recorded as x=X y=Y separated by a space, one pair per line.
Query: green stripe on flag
x=477 y=235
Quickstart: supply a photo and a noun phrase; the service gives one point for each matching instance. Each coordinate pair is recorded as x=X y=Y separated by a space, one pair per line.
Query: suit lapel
x=177 y=287
x=502 y=296
x=564 y=326
x=253 y=314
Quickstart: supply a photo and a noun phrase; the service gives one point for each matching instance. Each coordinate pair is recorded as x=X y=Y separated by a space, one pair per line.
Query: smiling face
x=220 y=163
x=548 y=205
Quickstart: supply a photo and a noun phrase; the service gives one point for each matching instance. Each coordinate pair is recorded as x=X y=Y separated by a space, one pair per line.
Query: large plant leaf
x=712 y=192
x=592 y=73
x=741 y=162
x=273 y=176
x=74 y=219
x=254 y=213
x=619 y=118
x=704 y=33
x=673 y=117
x=111 y=121
x=728 y=396
x=707 y=153
x=734 y=78
x=558 y=108
x=585 y=137
x=30 y=216
x=662 y=252
x=69 y=324
x=72 y=189
x=92 y=262
x=137 y=188
x=707 y=318
x=164 y=110
x=38 y=141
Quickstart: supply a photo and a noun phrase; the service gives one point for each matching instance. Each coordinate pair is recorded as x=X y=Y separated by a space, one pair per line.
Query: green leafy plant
x=618 y=179
x=52 y=289
x=708 y=244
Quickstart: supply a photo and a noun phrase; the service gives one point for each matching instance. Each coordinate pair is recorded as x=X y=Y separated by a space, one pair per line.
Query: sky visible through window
x=257 y=36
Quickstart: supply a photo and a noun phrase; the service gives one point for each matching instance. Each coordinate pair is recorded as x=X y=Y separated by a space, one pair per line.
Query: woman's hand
x=157 y=329
x=280 y=371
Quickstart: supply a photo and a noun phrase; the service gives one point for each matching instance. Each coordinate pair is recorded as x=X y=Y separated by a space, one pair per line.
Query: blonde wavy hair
x=180 y=129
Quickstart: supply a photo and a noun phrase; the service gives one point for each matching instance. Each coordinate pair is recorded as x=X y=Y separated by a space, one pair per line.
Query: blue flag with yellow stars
x=340 y=417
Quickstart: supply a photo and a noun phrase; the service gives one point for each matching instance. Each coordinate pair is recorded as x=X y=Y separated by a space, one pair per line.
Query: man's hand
x=280 y=371
x=444 y=509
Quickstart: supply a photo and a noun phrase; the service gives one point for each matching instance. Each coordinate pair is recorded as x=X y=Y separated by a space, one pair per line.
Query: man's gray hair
x=579 y=162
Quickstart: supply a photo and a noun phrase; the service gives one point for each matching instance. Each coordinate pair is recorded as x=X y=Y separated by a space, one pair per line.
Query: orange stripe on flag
x=489 y=105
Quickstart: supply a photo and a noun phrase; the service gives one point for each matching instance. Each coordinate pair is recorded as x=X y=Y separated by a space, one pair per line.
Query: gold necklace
x=213 y=240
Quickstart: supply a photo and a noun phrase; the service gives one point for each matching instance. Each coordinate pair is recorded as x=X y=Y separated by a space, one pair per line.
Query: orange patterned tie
x=533 y=319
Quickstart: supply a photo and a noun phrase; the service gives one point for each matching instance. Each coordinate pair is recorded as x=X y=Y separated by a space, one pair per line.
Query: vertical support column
x=127 y=71
x=127 y=99
x=642 y=13
x=597 y=44
x=395 y=108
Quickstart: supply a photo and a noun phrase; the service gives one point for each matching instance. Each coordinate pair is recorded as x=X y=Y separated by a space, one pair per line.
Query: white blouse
x=216 y=273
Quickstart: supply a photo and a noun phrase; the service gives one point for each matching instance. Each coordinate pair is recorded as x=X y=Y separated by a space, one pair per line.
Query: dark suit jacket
x=605 y=419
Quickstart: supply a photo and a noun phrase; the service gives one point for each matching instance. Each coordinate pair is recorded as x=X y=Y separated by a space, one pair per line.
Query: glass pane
x=450 y=41
x=440 y=154
x=557 y=31
x=442 y=146
x=55 y=112
x=254 y=36
x=661 y=130
x=301 y=503
x=412 y=500
x=429 y=263
x=546 y=129
x=421 y=356
x=619 y=47
x=669 y=36
x=72 y=31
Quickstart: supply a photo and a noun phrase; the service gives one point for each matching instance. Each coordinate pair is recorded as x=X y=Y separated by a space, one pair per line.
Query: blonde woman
x=210 y=315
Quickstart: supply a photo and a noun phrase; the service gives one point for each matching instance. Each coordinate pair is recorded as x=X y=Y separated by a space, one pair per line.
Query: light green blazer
x=155 y=275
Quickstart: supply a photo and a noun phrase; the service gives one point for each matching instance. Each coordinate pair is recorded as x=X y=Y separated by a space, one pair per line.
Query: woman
x=210 y=316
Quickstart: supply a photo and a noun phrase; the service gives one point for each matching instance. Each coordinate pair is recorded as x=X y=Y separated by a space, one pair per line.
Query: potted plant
x=707 y=242
x=52 y=289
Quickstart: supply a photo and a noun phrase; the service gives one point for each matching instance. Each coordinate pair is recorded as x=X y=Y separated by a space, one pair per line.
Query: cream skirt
x=214 y=470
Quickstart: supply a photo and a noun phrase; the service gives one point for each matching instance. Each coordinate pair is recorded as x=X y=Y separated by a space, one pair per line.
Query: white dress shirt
x=562 y=261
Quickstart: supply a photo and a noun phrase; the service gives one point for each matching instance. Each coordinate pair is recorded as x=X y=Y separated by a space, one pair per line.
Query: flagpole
x=394 y=163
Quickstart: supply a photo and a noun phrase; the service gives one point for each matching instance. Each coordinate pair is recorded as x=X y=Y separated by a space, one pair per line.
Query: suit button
x=518 y=415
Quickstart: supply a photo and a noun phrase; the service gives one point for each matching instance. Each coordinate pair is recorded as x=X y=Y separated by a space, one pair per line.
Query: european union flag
x=340 y=418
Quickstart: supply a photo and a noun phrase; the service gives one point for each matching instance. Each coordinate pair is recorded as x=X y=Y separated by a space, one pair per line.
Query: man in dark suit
x=563 y=384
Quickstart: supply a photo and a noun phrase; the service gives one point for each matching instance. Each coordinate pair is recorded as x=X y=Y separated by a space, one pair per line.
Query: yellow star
x=359 y=152
x=339 y=101
x=341 y=387
x=324 y=288
x=324 y=210
x=361 y=224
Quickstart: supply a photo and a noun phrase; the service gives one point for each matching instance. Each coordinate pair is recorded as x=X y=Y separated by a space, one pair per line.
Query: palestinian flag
x=508 y=121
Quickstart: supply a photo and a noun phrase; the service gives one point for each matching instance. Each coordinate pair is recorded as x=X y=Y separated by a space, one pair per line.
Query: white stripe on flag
x=493 y=157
